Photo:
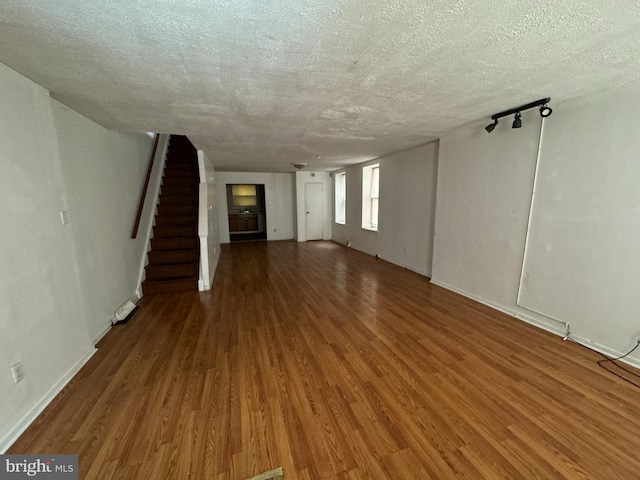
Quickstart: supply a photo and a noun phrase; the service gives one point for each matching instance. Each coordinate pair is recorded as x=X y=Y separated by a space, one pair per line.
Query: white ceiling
x=262 y=84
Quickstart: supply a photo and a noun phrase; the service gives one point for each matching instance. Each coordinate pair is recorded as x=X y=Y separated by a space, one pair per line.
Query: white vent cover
x=124 y=310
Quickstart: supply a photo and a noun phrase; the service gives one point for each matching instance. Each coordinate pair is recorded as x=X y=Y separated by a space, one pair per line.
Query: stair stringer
x=149 y=214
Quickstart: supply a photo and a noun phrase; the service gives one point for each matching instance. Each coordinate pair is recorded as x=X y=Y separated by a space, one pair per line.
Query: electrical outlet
x=64 y=217
x=17 y=372
x=404 y=249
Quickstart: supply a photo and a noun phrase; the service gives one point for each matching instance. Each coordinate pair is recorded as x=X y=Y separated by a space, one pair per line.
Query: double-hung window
x=341 y=197
x=370 y=196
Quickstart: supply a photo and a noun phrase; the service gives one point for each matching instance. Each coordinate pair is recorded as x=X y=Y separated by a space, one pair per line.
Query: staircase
x=174 y=256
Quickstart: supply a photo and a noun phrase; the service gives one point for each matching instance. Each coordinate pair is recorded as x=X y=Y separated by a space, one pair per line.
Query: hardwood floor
x=335 y=365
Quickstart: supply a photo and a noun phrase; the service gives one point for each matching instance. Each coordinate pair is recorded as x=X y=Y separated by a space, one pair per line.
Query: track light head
x=489 y=128
x=545 y=111
x=517 y=123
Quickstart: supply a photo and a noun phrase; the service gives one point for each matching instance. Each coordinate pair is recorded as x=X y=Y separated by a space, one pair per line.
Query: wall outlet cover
x=17 y=372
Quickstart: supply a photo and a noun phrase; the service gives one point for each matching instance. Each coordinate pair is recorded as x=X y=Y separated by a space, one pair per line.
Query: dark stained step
x=178 y=199
x=177 y=285
x=174 y=243
x=164 y=272
x=178 y=182
x=184 y=159
x=169 y=257
x=190 y=174
x=184 y=190
x=180 y=166
x=178 y=210
x=179 y=231
x=176 y=220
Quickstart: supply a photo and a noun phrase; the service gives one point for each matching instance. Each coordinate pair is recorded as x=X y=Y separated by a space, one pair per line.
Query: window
x=370 y=196
x=341 y=197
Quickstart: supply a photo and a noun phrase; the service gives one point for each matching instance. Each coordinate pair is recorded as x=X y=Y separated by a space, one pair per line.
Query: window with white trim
x=341 y=197
x=370 y=196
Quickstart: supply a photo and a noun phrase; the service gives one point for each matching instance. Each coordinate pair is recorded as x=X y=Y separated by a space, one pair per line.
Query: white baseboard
x=609 y=352
x=104 y=331
x=558 y=329
x=12 y=435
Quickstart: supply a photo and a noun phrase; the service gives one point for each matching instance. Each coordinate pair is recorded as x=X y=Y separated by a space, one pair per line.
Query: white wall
x=312 y=177
x=279 y=200
x=407 y=209
x=583 y=258
x=103 y=172
x=207 y=223
x=582 y=262
x=50 y=307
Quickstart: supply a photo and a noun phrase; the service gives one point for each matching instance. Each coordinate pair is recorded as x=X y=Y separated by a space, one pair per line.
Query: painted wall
x=582 y=264
x=207 y=223
x=103 y=173
x=407 y=209
x=279 y=198
x=312 y=177
x=50 y=310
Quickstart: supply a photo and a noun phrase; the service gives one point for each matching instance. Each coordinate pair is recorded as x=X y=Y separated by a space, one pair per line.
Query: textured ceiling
x=265 y=83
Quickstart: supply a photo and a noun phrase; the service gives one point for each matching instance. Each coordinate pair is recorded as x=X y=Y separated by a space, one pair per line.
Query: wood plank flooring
x=335 y=365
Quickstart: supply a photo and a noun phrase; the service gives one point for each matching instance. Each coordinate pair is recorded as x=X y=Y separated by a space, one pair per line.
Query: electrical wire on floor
x=601 y=363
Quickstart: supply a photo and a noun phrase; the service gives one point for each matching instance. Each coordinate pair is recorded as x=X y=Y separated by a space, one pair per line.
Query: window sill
x=370 y=229
x=340 y=223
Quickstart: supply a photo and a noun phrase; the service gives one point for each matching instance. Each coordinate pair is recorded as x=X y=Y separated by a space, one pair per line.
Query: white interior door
x=314 y=211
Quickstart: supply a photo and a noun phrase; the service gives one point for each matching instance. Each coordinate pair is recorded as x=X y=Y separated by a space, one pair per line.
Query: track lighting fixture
x=489 y=128
x=545 y=111
x=517 y=121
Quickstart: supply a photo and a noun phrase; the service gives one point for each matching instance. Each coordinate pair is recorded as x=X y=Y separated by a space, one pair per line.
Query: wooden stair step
x=164 y=244
x=178 y=210
x=175 y=231
x=188 y=158
x=182 y=147
x=165 y=286
x=179 y=182
x=180 y=190
x=180 y=166
x=170 y=257
x=178 y=199
x=176 y=220
x=183 y=270
x=182 y=174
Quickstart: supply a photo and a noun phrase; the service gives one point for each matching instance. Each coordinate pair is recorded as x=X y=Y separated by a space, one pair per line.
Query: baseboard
x=104 y=331
x=609 y=352
x=557 y=330
x=12 y=435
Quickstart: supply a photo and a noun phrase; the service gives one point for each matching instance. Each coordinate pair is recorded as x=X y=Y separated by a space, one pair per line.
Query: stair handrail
x=143 y=195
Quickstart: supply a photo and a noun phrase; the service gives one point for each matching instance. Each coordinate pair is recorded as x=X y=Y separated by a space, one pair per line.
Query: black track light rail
x=537 y=103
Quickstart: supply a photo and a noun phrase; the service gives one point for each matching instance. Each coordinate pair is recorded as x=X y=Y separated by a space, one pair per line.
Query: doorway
x=246 y=212
x=314 y=211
